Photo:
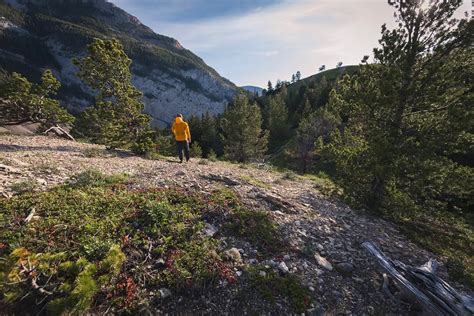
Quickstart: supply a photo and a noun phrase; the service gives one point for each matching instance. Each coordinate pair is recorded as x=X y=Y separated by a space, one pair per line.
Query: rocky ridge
x=324 y=235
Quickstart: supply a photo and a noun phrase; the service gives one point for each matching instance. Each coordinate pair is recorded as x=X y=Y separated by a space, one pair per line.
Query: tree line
x=396 y=134
x=116 y=118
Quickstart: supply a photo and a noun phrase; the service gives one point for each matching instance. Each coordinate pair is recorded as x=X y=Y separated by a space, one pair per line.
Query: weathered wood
x=434 y=294
x=220 y=178
x=59 y=132
x=30 y=216
x=276 y=202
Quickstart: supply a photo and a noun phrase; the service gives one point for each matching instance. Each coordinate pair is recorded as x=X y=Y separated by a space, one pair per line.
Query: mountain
x=40 y=34
x=253 y=89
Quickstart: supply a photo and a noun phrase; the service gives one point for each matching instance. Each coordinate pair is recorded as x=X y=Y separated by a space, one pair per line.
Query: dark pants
x=183 y=145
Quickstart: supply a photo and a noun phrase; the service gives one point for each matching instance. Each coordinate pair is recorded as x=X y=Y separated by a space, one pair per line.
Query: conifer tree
x=116 y=118
x=243 y=137
x=29 y=102
x=269 y=86
x=319 y=123
x=408 y=117
x=277 y=121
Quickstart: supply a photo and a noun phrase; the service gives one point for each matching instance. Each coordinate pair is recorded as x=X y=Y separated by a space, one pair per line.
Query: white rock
x=41 y=181
x=323 y=262
x=283 y=267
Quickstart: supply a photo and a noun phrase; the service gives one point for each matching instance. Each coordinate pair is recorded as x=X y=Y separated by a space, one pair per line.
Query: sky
x=253 y=41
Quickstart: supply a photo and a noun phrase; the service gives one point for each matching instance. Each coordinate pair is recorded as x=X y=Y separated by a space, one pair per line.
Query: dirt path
x=308 y=221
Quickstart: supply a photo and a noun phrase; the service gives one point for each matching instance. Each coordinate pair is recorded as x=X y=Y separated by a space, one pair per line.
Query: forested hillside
x=48 y=34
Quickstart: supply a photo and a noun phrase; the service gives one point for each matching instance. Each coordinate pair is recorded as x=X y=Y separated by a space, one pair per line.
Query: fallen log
x=59 y=132
x=276 y=201
x=220 y=178
x=435 y=295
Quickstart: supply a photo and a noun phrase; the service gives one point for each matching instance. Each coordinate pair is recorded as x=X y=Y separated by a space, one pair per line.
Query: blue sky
x=253 y=41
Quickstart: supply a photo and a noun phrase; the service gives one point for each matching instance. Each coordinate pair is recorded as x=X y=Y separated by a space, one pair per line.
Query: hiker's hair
x=179 y=115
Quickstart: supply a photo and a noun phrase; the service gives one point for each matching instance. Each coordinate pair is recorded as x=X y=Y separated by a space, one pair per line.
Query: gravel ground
x=324 y=235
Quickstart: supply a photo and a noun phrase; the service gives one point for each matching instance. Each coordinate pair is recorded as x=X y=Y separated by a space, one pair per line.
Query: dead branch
x=30 y=216
x=59 y=132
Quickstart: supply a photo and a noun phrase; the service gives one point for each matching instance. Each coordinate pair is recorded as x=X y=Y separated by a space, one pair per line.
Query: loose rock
x=323 y=262
x=345 y=268
x=233 y=254
x=164 y=292
x=283 y=267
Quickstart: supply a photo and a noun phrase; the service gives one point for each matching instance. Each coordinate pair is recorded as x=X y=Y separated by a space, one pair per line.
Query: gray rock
x=210 y=230
x=317 y=311
x=8 y=169
x=345 y=268
x=164 y=292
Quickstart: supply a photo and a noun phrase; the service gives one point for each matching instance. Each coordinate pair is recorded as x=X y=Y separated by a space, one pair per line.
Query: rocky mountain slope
x=35 y=35
x=318 y=237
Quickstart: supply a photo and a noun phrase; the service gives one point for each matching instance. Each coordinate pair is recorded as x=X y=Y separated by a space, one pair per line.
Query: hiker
x=182 y=135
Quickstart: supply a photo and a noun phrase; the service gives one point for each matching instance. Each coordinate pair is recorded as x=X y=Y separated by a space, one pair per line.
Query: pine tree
x=243 y=137
x=196 y=150
x=408 y=118
x=210 y=140
x=24 y=101
x=318 y=124
x=116 y=119
x=278 y=85
x=298 y=75
x=269 y=86
x=277 y=121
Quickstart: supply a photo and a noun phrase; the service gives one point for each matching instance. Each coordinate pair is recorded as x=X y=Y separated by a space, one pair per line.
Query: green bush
x=256 y=227
x=89 y=231
x=196 y=151
x=93 y=177
x=24 y=186
x=94 y=152
x=272 y=286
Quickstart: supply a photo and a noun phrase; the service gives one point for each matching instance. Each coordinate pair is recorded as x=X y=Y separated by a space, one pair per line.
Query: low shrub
x=272 y=286
x=94 y=178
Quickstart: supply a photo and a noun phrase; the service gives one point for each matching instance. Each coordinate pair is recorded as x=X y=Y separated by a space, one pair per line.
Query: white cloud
x=274 y=42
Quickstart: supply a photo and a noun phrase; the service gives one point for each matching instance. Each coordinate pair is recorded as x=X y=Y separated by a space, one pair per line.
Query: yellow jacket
x=180 y=130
